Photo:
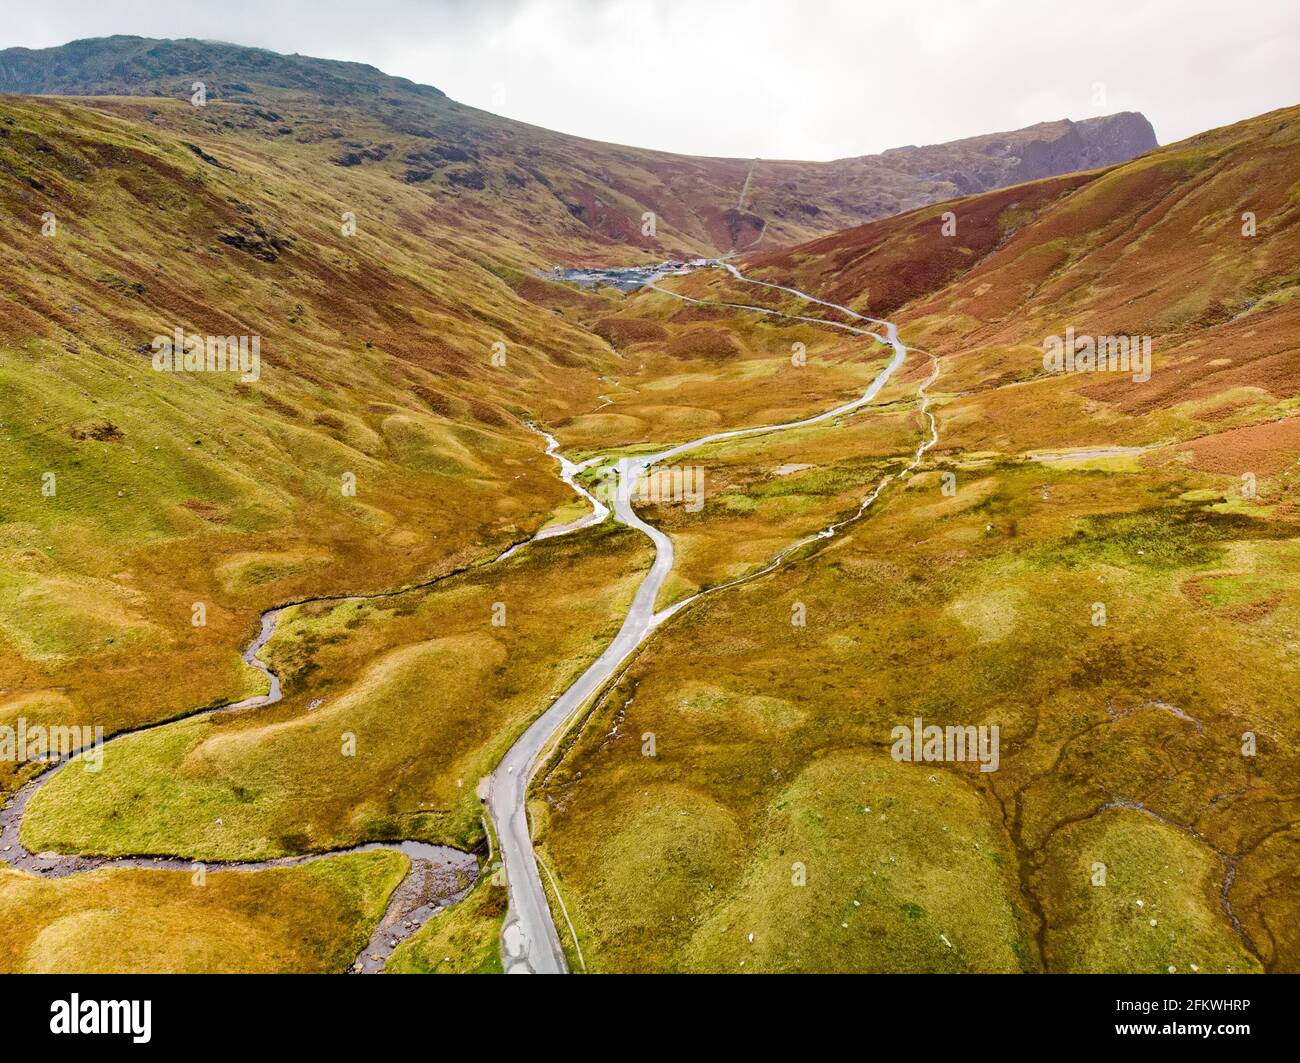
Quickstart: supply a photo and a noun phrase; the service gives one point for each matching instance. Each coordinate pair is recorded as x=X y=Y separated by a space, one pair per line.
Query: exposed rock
x=256 y=240
x=1085 y=145
x=472 y=179
x=209 y=159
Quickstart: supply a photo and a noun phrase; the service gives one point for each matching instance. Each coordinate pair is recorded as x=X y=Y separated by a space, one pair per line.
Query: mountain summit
x=855 y=603
x=142 y=66
x=549 y=181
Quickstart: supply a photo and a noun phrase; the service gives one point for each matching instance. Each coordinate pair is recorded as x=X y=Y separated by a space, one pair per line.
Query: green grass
x=1170 y=538
x=918 y=883
x=209 y=490
x=366 y=746
x=464 y=939
x=315 y=918
x=772 y=738
x=1158 y=911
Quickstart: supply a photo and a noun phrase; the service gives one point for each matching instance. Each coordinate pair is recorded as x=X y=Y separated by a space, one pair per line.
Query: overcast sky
x=810 y=79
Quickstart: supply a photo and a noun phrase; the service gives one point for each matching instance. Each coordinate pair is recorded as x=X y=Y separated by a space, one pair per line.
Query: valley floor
x=511 y=625
x=729 y=801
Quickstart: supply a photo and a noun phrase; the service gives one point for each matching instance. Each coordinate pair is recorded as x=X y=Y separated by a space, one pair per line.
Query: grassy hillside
x=379 y=444
x=967 y=595
x=1082 y=561
x=311 y=919
x=574 y=198
x=1155 y=246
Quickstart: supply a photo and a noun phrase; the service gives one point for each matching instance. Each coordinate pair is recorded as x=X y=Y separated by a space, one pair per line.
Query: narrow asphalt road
x=440 y=876
x=530 y=941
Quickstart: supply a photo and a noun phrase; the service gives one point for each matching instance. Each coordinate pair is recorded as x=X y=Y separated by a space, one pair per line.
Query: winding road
x=439 y=875
x=530 y=942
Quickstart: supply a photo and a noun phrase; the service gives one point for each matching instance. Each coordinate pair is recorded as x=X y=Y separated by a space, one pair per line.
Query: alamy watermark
x=1098 y=354
x=77 y=1016
x=931 y=743
x=656 y=486
x=39 y=744
x=182 y=353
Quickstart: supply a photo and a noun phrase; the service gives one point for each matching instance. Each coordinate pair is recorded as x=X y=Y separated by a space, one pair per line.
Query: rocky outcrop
x=1086 y=145
x=535 y=180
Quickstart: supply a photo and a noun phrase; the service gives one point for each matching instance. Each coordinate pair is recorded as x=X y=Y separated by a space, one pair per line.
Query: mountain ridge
x=386 y=251
x=602 y=191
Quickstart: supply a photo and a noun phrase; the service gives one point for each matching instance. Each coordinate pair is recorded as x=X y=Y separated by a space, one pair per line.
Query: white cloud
x=775 y=78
